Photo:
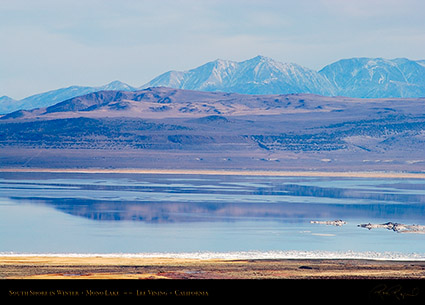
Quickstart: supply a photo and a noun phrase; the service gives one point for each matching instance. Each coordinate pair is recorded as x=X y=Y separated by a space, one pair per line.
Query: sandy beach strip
x=348 y=174
x=63 y=267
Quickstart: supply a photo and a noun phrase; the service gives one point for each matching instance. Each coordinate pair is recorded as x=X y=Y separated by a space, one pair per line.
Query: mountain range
x=355 y=77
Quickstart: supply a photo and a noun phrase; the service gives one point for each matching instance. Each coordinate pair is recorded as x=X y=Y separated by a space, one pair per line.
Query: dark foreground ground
x=163 y=268
x=289 y=280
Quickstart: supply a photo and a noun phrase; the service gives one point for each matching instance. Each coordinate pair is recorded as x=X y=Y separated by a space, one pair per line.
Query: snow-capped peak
x=117 y=85
x=377 y=77
x=258 y=75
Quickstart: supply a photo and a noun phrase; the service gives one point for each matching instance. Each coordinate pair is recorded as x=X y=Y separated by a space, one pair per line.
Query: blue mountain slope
x=377 y=77
x=7 y=104
x=52 y=97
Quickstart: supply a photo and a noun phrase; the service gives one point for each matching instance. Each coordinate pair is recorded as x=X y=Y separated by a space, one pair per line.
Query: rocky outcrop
x=396 y=227
x=337 y=223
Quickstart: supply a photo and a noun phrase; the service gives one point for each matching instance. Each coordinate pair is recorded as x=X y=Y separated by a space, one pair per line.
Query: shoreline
x=66 y=267
x=360 y=174
x=229 y=256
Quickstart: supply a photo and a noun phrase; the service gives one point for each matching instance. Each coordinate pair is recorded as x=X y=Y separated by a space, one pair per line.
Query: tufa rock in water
x=396 y=227
x=337 y=223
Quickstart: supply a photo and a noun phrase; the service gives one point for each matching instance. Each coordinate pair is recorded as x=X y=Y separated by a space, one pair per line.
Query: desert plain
x=62 y=267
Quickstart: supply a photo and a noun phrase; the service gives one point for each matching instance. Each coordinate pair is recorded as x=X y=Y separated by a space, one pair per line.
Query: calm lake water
x=201 y=215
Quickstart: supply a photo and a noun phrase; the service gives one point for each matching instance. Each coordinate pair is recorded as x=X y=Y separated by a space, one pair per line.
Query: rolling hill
x=174 y=128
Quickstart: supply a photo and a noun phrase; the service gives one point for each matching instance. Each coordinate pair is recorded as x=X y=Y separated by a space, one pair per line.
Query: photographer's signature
x=397 y=291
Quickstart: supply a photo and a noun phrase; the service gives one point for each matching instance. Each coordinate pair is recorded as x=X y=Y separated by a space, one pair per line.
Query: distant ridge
x=52 y=97
x=7 y=104
x=355 y=77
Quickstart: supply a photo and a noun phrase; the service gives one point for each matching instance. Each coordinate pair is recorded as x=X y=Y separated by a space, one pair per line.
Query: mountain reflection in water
x=171 y=198
x=160 y=212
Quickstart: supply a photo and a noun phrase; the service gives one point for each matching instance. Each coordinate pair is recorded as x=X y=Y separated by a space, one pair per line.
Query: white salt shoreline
x=236 y=255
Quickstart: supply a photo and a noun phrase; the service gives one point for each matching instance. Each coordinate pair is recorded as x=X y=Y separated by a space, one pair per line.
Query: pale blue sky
x=49 y=44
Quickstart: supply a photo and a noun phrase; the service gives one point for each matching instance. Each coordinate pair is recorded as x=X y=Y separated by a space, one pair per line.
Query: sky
x=51 y=44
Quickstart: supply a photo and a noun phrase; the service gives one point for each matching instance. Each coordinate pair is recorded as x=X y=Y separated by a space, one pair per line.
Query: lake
x=208 y=215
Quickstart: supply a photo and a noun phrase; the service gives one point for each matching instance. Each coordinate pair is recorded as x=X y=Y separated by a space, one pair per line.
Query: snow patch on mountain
x=377 y=77
x=258 y=75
